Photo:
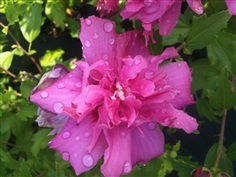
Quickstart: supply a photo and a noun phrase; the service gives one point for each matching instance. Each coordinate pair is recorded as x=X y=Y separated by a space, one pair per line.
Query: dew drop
x=111 y=41
x=58 y=107
x=149 y=74
x=179 y=65
x=44 y=94
x=61 y=85
x=77 y=138
x=88 y=21
x=95 y=35
x=127 y=167
x=66 y=156
x=151 y=125
x=87 y=43
x=70 y=75
x=66 y=135
x=75 y=155
x=104 y=56
x=108 y=26
x=163 y=111
x=86 y=134
x=87 y=160
x=137 y=61
x=167 y=21
x=78 y=85
x=122 y=134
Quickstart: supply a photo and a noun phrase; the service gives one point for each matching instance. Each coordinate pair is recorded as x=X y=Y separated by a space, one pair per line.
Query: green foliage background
x=209 y=46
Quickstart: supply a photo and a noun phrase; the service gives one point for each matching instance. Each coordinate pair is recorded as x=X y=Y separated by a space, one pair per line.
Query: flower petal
x=147 y=143
x=117 y=157
x=98 y=37
x=73 y=143
x=231 y=4
x=60 y=93
x=196 y=6
x=179 y=78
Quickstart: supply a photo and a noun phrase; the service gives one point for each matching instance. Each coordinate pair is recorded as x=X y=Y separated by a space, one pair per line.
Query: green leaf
x=213 y=6
x=56 y=12
x=40 y=141
x=225 y=164
x=24 y=169
x=204 y=30
x=31 y=22
x=6 y=158
x=13 y=10
x=222 y=51
x=6 y=59
x=223 y=97
x=180 y=31
x=51 y=57
x=27 y=87
x=231 y=151
x=26 y=110
x=74 y=27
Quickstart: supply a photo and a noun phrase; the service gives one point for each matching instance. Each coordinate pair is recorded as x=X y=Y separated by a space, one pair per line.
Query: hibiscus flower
x=113 y=102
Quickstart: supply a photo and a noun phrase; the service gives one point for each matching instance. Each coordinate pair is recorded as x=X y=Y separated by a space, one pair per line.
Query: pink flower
x=231 y=4
x=151 y=12
x=114 y=100
x=107 y=7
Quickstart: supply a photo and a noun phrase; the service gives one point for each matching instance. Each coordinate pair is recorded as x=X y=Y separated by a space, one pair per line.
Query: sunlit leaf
x=51 y=57
x=6 y=59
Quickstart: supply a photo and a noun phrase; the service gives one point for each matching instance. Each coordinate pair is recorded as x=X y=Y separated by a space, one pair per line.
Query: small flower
x=165 y=13
x=114 y=99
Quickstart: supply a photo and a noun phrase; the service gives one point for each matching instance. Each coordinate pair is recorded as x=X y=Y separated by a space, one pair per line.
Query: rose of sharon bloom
x=115 y=100
x=151 y=12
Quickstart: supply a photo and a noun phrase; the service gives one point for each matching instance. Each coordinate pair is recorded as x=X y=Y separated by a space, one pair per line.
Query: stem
x=8 y=72
x=25 y=52
x=221 y=140
x=180 y=47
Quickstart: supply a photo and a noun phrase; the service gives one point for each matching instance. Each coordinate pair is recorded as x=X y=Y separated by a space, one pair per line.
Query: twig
x=221 y=140
x=8 y=72
x=180 y=47
x=19 y=45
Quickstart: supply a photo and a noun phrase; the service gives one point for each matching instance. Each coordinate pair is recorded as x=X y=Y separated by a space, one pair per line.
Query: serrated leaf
x=204 y=30
x=6 y=158
x=180 y=31
x=26 y=110
x=231 y=151
x=27 y=87
x=24 y=169
x=223 y=97
x=222 y=51
x=56 y=12
x=51 y=57
x=225 y=164
x=31 y=22
x=6 y=59
x=40 y=141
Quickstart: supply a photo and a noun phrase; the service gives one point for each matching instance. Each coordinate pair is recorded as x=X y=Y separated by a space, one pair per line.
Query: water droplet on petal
x=86 y=134
x=104 y=56
x=167 y=21
x=77 y=138
x=108 y=26
x=87 y=43
x=122 y=134
x=58 y=107
x=87 y=160
x=177 y=123
x=111 y=41
x=44 y=94
x=179 y=65
x=149 y=74
x=61 y=85
x=163 y=111
x=66 y=156
x=66 y=135
x=127 y=167
x=70 y=75
x=95 y=35
x=151 y=125
x=137 y=61
x=75 y=155
x=78 y=84
x=88 y=21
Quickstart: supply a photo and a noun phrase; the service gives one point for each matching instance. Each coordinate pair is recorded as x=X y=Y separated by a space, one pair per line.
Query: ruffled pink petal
x=170 y=18
x=117 y=157
x=183 y=121
x=147 y=143
x=98 y=37
x=73 y=143
x=59 y=94
x=231 y=4
x=196 y=6
x=179 y=78
x=142 y=87
x=106 y=6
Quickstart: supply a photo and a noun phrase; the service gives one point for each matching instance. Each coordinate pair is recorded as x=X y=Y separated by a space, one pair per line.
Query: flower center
x=119 y=93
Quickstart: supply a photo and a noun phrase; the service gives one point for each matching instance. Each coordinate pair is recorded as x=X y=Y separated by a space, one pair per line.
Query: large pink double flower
x=110 y=103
